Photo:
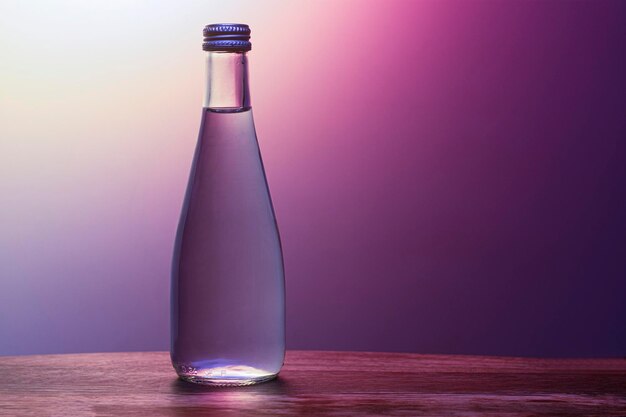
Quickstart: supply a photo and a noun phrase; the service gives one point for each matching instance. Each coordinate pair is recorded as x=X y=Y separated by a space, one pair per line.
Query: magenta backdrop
x=449 y=177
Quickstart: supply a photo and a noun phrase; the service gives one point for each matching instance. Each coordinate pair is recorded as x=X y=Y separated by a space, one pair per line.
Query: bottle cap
x=227 y=37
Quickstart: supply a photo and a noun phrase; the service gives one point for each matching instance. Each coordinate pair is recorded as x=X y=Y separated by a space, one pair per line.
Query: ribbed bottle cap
x=229 y=37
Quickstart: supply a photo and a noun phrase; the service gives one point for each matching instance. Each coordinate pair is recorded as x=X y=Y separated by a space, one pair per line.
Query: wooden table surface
x=316 y=384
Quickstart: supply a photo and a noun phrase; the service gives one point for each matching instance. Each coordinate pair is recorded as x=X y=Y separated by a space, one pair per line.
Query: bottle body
x=228 y=295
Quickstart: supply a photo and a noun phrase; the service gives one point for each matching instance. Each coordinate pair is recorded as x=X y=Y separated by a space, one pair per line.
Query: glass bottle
x=228 y=294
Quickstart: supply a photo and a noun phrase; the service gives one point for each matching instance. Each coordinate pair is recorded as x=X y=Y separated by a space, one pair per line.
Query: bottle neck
x=227 y=82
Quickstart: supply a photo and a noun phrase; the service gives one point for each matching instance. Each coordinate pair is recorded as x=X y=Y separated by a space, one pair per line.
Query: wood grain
x=316 y=384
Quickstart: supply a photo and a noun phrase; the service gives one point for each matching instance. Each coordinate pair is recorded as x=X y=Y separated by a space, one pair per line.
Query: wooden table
x=316 y=384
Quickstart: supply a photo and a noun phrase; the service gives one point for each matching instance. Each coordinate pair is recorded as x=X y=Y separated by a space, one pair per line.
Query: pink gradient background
x=448 y=176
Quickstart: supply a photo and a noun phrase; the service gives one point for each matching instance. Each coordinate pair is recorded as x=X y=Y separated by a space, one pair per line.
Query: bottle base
x=224 y=382
x=225 y=376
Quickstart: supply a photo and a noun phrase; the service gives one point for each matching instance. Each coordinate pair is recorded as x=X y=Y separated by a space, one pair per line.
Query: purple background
x=449 y=177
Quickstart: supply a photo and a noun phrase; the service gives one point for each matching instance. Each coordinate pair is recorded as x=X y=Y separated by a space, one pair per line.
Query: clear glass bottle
x=228 y=294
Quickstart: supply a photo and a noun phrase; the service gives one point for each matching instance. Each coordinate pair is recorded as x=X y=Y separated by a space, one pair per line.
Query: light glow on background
x=446 y=175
